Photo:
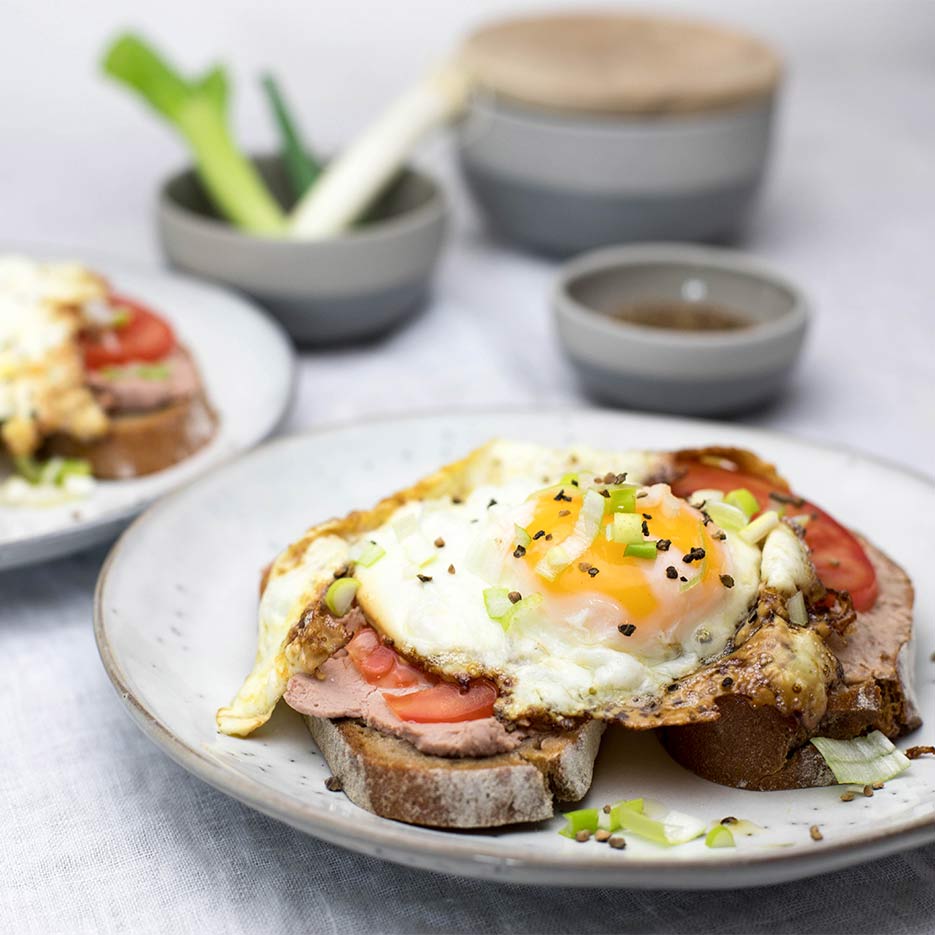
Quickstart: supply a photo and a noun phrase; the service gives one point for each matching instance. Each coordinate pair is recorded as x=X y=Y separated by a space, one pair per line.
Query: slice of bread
x=389 y=777
x=145 y=442
x=757 y=748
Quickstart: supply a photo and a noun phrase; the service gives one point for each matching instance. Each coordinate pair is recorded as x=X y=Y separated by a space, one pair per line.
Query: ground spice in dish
x=627 y=629
x=514 y=597
x=848 y=796
x=877 y=785
x=593 y=572
x=815 y=833
x=602 y=834
x=539 y=534
x=915 y=752
x=727 y=581
x=618 y=844
x=695 y=555
x=868 y=791
x=561 y=495
x=333 y=784
x=451 y=569
x=424 y=578
x=519 y=551
x=672 y=572
x=727 y=682
x=583 y=835
x=662 y=545
x=645 y=527
x=564 y=512
x=439 y=543
x=492 y=503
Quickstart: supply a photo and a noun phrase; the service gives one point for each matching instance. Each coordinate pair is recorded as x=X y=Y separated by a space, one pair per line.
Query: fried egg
x=508 y=565
x=42 y=381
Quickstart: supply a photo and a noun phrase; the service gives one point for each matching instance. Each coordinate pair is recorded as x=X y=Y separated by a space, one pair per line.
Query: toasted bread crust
x=143 y=443
x=391 y=778
x=757 y=748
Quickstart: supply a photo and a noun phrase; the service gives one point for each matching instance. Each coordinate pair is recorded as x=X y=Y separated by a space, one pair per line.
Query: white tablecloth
x=99 y=832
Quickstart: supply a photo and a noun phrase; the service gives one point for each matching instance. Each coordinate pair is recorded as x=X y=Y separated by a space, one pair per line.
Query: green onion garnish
x=497 y=602
x=28 y=468
x=152 y=371
x=719 y=836
x=863 y=760
x=621 y=500
x=340 y=595
x=726 y=516
x=584 y=819
x=371 y=553
x=743 y=500
x=641 y=550
x=121 y=318
x=760 y=528
x=587 y=526
x=522 y=537
x=795 y=606
x=653 y=821
x=301 y=166
x=626 y=528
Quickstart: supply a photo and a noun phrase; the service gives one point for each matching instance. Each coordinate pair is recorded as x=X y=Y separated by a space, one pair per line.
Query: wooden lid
x=620 y=63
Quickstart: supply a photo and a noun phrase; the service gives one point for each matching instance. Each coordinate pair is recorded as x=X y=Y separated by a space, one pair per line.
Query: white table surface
x=102 y=833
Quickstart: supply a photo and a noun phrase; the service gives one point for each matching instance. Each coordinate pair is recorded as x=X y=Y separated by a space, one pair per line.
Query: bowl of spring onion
x=338 y=250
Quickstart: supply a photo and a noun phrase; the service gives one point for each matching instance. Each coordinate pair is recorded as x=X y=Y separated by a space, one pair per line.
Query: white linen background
x=99 y=831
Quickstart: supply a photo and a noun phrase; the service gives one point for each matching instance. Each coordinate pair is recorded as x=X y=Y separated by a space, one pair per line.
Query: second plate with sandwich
x=458 y=648
x=117 y=384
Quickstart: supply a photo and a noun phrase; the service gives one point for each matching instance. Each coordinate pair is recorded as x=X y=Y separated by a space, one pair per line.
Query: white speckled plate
x=247 y=365
x=175 y=623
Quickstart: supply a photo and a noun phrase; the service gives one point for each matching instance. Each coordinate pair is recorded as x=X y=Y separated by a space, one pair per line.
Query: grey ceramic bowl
x=561 y=183
x=325 y=291
x=690 y=372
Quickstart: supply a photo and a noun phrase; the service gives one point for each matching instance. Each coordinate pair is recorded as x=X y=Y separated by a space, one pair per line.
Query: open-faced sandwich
x=458 y=649
x=91 y=383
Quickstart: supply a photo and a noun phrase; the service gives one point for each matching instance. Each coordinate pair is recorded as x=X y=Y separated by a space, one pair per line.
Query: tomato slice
x=381 y=665
x=445 y=703
x=839 y=559
x=144 y=336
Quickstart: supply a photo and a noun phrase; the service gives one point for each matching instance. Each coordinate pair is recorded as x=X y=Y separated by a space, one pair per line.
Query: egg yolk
x=652 y=598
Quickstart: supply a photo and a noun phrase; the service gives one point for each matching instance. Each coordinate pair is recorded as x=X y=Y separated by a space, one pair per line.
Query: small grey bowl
x=560 y=183
x=688 y=372
x=345 y=288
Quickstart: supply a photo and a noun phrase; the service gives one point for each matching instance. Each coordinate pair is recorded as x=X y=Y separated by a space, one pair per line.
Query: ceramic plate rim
x=93 y=531
x=477 y=859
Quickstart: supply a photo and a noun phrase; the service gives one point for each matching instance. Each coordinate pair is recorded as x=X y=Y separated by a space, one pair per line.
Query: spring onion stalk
x=729 y=518
x=626 y=528
x=370 y=554
x=497 y=602
x=795 y=607
x=570 y=480
x=340 y=595
x=198 y=110
x=863 y=760
x=584 y=819
x=300 y=164
x=760 y=528
x=587 y=526
x=641 y=550
x=652 y=820
x=52 y=473
x=522 y=537
x=801 y=519
x=28 y=468
x=706 y=495
x=719 y=836
x=351 y=183
x=743 y=500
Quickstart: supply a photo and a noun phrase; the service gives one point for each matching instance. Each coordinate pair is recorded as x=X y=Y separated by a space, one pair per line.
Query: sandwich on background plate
x=92 y=384
x=458 y=649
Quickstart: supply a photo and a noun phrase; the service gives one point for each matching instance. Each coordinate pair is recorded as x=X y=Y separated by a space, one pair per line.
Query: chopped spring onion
x=796 y=609
x=587 y=526
x=371 y=553
x=521 y=611
x=801 y=519
x=652 y=820
x=497 y=602
x=621 y=500
x=626 y=528
x=28 y=468
x=641 y=550
x=50 y=472
x=53 y=473
x=198 y=110
x=719 y=836
x=122 y=316
x=570 y=480
x=584 y=819
x=340 y=595
x=522 y=537
x=405 y=525
x=760 y=528
x=350 y=183
x=728 y=517
x=863 y=760
x=152 y=371
x=301 y=166
x=743 y=500
x=705 y=496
